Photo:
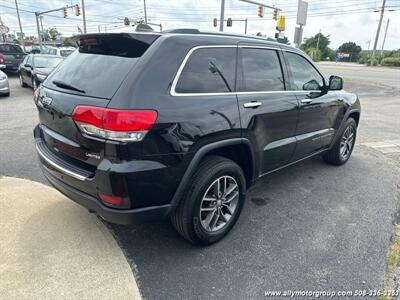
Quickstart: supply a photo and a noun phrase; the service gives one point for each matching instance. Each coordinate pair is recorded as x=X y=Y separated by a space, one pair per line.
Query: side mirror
x=335 y=83
x=28 y=66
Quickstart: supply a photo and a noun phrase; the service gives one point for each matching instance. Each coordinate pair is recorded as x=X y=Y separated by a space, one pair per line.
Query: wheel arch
x=237 y=149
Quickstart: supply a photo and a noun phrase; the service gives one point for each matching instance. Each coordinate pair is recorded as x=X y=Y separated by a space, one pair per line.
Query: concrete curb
x=51 y=248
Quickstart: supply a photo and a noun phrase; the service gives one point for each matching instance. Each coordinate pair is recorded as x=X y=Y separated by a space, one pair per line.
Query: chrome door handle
x=306 y=100
x=252 y=104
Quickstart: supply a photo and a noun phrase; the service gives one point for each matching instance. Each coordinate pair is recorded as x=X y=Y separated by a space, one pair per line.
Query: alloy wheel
x=347 y=142
x=219 y=203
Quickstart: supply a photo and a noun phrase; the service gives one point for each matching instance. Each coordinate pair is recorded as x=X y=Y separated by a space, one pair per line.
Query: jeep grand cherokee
x=142 y=126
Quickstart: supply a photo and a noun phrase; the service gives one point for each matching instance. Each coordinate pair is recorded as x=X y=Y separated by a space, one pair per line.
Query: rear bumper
x=118 y=216
x=145 y=197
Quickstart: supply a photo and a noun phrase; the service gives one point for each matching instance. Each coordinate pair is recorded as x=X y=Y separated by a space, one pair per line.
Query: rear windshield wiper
x=67 y=86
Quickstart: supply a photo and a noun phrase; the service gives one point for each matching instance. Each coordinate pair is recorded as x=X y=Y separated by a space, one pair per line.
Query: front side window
x=208 y=70
x=260 y=70
x=304 y=76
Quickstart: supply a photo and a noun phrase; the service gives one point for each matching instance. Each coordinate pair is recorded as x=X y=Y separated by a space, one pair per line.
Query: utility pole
x=221 y=18
x=145 y=12
x=319 y=34
x=83 y=16
x=41 y=22
x=384 y=38
x=37 y=15
x=21 y=37
x=379 y=29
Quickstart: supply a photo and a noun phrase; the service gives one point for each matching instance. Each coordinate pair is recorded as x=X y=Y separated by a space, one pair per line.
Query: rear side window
x=6 y=48
x=208 y=70
x=260 y=70
x=99 y=66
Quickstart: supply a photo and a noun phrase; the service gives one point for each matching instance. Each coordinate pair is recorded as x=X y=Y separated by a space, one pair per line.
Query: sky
x=342 y=20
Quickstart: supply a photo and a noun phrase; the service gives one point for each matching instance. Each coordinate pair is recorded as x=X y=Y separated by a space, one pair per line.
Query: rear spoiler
x=147 y=38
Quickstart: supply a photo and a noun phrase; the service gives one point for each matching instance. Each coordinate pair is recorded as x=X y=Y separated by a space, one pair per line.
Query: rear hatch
x=13 y=54
x=87 y=77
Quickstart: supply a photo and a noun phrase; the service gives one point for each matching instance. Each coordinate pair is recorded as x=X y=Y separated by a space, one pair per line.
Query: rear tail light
x=114 y=124
x=1 y=58
x=113 y=200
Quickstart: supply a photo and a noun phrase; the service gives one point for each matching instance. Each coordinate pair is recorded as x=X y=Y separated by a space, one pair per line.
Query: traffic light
x=229 y=22
x=260 y=11
x=280 y=24
x=126 y=21
x=65 y=12
x=275 y=14
x=215 y=22
x=77 y=10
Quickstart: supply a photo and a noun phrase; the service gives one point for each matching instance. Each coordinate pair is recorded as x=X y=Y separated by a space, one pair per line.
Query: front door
x=268 y=111
x=320 y=109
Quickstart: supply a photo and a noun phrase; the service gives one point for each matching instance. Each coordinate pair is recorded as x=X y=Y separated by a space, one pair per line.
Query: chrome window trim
x=182 y=65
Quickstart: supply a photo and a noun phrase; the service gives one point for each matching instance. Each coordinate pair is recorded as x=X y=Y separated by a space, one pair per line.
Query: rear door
x=319 y=107
x=90 y=76
x=268 y=110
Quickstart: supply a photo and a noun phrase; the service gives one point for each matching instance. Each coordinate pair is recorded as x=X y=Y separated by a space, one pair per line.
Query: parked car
x=35 y=68
x=4 y=85
x=11 y=55
x=62 y=51
x=181 y=125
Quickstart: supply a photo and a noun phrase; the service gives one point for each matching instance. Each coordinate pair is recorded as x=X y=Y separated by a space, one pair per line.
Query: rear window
x=208 y=70
x=99 y=65
x=5 y=48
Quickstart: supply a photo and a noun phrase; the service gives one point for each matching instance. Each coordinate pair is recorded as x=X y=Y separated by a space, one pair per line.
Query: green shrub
x=391 y=61
x=372 y=62
x=362 y=60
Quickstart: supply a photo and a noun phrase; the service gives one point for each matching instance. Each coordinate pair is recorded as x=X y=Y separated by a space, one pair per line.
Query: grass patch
x=392 y=259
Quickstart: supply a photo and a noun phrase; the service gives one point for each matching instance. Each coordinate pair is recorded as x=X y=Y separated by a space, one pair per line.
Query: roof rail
x=182 y=30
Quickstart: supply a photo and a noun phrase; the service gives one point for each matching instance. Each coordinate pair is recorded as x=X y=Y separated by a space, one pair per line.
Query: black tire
x=21 y=81
x=186 y=217
x=334 y=156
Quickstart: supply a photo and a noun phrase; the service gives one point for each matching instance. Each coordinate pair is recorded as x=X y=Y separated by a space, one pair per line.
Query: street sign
x=302 y=13
x=298 y=35
x=4 y=29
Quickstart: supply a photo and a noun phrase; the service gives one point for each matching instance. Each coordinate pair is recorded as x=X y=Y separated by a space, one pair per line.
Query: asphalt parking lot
x=309 y=227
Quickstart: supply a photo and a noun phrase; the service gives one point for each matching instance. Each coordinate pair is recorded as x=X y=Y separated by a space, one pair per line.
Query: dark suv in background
x=142 y=126
x=11 y=55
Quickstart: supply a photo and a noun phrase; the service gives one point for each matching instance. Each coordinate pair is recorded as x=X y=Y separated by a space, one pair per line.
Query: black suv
x=143 y=126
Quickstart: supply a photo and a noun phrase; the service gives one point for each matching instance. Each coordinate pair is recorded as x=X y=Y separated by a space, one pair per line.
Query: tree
x=285 y=40
x=314 y=53
x=319 y=41
x=352 y=48
x=68 y=42
x=51 y=34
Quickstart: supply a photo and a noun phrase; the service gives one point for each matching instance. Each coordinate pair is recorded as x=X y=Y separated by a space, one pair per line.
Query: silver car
x=4 y=85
